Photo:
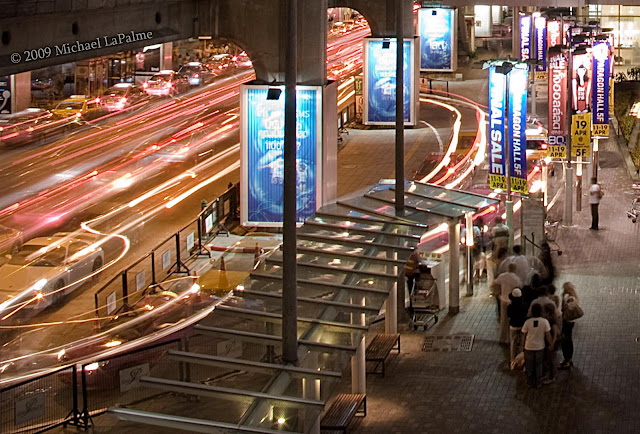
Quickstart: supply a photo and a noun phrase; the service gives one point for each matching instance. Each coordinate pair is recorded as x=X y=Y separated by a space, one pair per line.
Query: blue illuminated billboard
x=437 y=39
x=380 y=82
x=497 y=166
x=262 y=141
x=518 y=78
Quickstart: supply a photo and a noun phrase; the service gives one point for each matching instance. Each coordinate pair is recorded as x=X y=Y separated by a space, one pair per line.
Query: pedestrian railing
x=72 y=395
x=172 y=256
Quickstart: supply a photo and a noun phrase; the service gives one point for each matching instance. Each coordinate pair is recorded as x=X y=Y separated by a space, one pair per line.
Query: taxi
x=537 y=143
x=81 y=106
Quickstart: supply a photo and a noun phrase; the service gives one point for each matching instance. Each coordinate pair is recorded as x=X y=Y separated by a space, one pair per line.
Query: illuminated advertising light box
x=557 y=105
x=380 y=82
x=482 y=21
x=497 y=166
x=600 y=89
x=540 y=31
x=437 y=39
x=262 y=142
x=525 y=37
x=517 y=126
x=581 y=83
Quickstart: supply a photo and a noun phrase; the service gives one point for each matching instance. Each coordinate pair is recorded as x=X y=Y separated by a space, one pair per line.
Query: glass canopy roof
x=349 y=256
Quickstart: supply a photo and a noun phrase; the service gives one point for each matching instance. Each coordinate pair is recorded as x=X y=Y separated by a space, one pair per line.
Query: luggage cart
x=634 y=210
x=424 y=303
x=550 y=231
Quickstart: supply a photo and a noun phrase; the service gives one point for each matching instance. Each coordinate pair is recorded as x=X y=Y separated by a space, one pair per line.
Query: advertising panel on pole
x=581 y=83
x=380 y=82
x=497 y=167
x=262 y=147
x=525 y=37
x=5 y=94
x=540 y=31
x=482 y=21
x=600 y=89
x=557 y=131
x=581 y=135
x=517 y=126
x=438 y=47
x=554 y=37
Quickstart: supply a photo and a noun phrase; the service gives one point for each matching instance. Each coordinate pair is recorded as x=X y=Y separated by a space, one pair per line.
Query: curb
x=232 y=249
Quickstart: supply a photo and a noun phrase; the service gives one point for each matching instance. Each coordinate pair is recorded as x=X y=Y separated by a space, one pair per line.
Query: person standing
x=569 y=295
x=499 y=235
x=507 y=282
x=536 y=334
x=517 y=312
x=411 y=271
x=595 y=194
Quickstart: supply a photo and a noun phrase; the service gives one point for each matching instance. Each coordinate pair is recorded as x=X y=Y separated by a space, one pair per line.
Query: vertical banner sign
x=437 y=41
x=525 y=37
x=497 y=169
x=517 y=126
x=262 y=139
x=540 y=25
x=581 y=83
x=380 y=82
x=557 y=106
x=581 y=105
x=554 y=36
x=612 y=57
x=600 y=91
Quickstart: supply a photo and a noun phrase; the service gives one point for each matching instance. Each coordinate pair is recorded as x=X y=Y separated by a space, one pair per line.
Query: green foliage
x=473 y=55
x=626 y=126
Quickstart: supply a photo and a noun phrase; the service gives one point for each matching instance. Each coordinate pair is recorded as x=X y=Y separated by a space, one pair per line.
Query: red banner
x=557 y=95
x=553 y=33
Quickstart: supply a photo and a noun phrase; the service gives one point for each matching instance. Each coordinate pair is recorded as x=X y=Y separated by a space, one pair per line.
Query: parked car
x=82 y=106
x=46 y=269
x=166 y=83
x=197 y=73
x=121 y=96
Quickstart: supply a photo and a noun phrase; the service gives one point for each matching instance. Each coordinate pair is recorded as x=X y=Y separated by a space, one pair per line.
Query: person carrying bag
x=571 y=311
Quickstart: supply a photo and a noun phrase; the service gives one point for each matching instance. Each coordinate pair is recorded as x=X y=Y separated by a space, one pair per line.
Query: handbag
x=572 y=310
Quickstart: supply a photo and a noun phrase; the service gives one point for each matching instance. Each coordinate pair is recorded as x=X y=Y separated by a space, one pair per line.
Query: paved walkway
x=476 y=392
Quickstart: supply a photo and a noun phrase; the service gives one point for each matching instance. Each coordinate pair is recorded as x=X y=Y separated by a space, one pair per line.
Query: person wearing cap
x=517 y=313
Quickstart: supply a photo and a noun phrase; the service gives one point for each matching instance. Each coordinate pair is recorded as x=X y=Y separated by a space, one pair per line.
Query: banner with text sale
x=497 y=167
x=525 y=37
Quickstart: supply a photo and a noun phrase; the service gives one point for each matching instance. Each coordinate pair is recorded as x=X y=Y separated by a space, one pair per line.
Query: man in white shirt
x=507 y=282
x=595 y=194
x=536 y=334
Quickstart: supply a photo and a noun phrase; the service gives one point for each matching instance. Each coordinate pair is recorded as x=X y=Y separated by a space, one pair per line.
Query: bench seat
x=342 y=410
x=379 y=349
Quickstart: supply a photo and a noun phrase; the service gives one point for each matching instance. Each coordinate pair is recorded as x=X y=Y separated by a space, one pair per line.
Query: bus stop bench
x=342 y=410
x=379 y=349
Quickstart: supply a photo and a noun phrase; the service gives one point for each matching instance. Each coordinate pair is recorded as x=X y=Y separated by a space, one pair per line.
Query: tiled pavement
x=476 y=392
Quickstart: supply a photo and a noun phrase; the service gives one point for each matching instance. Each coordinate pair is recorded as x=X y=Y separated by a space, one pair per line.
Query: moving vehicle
x=82 y=106
x=166 y=83
x=45 y=269
x=10 y=240
x=196 y=73
x=121 y=96
x=27 y=126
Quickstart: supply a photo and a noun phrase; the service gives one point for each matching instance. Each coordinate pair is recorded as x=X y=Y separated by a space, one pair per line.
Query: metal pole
x=399 y=199
x=289 y=275
x=568 y=182
x=509 y=202
x=595 y=158
x=579 y=184
x=534 y=55
x=454 y=266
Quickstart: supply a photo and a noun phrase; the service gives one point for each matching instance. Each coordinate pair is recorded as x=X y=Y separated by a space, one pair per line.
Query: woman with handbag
x=571 y=311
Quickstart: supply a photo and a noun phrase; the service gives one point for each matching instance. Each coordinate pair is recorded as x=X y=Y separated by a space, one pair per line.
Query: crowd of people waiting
x=533 y=320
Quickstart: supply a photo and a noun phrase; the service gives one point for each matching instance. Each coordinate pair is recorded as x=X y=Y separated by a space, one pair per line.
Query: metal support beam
x=454 y=266
x=399 y=202
x=359 y=369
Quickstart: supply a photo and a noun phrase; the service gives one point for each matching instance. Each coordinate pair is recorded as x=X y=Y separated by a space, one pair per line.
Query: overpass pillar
x=166 y=56
x=15 y=92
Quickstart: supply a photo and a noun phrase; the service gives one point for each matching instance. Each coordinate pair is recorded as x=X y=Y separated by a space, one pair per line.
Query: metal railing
x=72 y=395
x=168 y=258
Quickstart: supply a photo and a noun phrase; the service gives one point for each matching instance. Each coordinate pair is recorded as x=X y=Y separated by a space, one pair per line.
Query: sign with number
x=581 y=135
x=600 y=130
x=541 y=75
x=497 y=166
x=557 y=108
x=555 y=151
